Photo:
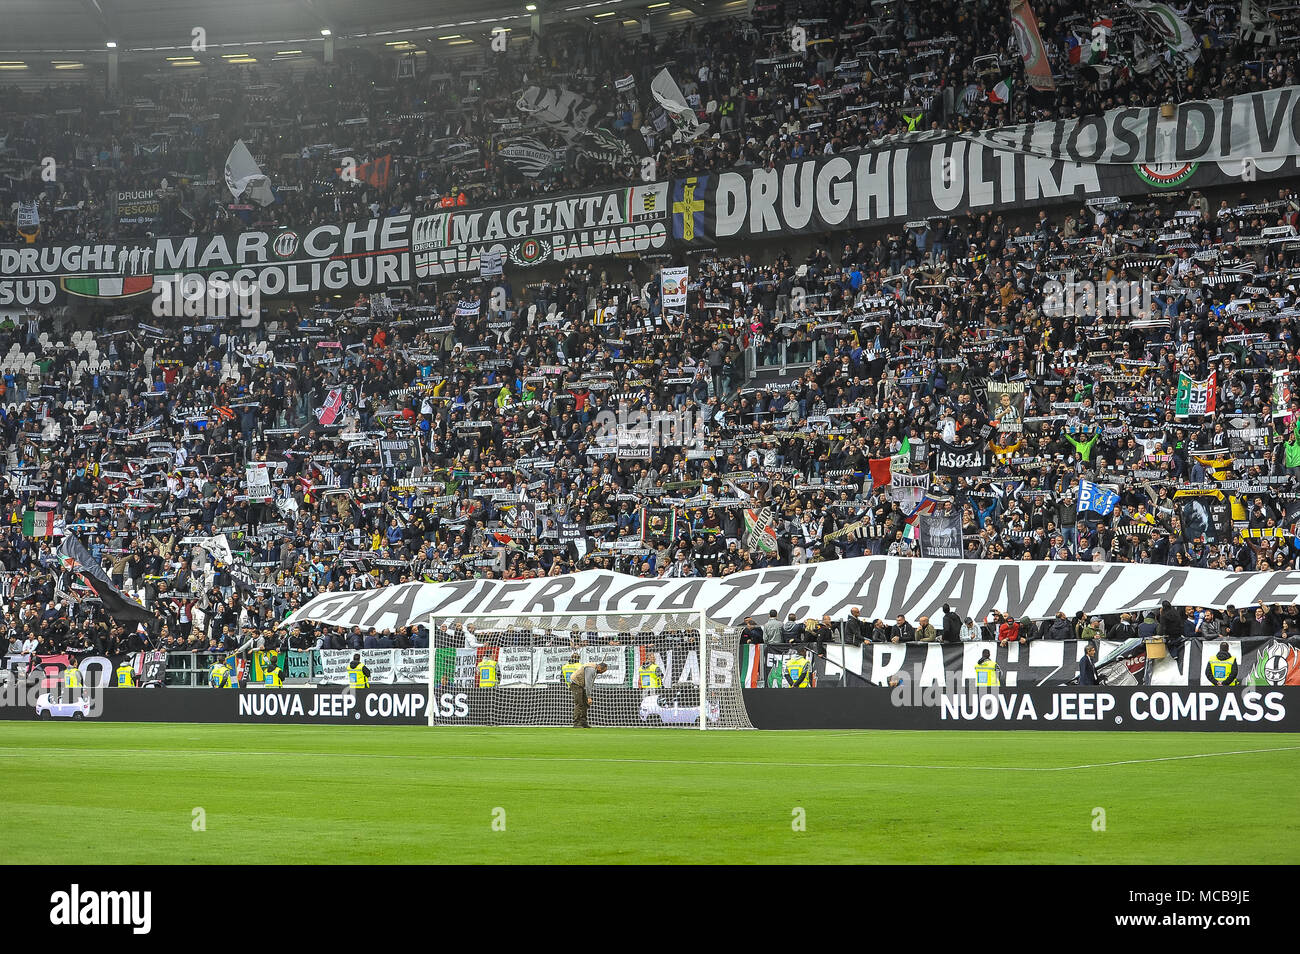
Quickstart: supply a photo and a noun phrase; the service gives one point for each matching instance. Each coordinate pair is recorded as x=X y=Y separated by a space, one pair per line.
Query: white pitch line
x=12 y=752
x=1176 y=758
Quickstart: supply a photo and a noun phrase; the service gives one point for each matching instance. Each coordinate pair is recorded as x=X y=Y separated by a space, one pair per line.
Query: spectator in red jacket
x=1009 y=631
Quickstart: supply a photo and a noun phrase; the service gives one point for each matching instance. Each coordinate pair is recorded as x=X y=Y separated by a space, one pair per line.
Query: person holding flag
x=1096 y=499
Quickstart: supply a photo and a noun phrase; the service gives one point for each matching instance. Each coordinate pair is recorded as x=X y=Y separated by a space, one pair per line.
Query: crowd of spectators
x=870 y=70
x=1169 y=624
x=478 y=440
x=475 y=442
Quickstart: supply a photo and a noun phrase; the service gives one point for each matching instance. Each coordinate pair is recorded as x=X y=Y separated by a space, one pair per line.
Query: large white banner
x=882 y=587
x=1252 y=127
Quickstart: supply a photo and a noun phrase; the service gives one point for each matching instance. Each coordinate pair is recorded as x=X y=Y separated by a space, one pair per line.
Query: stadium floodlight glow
x=243 y=59
x=453 y=36
x=607 y=13
x=656 y=6
x=111 y=44
x=288 y=52
x=459 y=42
x=69 y=66
x=13 y=66
x=530 y=7
x=325 y=31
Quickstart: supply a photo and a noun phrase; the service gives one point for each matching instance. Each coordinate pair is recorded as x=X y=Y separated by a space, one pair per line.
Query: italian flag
x=1002 y=92
x=38 y=523
x=912 y=526
x=751 y=669
x=123 y=287
x=759 y=532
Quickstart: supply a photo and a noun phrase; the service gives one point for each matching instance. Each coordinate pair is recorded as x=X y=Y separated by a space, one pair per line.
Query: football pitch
x=190 y=794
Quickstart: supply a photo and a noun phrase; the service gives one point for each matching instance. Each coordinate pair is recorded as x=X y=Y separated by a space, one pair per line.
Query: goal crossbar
x=662 y=668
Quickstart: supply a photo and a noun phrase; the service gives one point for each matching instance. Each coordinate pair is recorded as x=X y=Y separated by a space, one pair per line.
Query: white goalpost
x=662 y=669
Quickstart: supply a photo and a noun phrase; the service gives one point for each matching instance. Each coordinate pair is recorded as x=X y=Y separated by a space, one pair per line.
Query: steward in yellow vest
x=72 y=682
x=487 y=672
x=1222 y=669
x=798 y=672
x=986 y=671
x=358 y=675
x=569 y=668
x=124 y=676
x=649 y=676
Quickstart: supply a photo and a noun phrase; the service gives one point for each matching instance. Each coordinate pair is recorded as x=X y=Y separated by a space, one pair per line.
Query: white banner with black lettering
x=881 y=587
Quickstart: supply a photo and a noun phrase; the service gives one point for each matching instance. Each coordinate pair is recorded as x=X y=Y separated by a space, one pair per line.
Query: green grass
x=126 y=793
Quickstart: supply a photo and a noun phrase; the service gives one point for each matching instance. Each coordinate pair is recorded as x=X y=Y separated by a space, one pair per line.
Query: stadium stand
x=874 y=391
x=889 y=69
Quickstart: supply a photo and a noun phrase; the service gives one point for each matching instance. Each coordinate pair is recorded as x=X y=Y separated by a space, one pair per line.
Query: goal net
x=661 y=669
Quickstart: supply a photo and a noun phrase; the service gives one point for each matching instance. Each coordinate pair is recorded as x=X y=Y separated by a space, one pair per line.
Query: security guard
x=219 y=676
x=1222 y=668
x=274 y=675
x=649 y=676
x=569 y=668
x=124 y=675
x=73 y=682
x=358 y=675
x=986 y=671
x=487 y=671
x=798 y=671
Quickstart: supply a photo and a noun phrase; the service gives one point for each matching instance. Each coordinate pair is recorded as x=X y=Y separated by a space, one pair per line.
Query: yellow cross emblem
x=686 y=207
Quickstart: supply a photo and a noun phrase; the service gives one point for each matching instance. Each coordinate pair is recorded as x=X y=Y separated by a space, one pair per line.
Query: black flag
x=74 y=556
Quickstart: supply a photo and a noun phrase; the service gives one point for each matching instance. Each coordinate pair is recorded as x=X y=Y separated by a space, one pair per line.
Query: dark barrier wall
x=1129 y=708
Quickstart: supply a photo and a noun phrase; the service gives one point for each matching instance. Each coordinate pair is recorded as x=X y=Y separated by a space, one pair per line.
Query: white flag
x=1171 y=27
x=244 y=178
x=29 y=216
x=1254 y=25
x=673 y=286
x=669 y=95
x=219 y=547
